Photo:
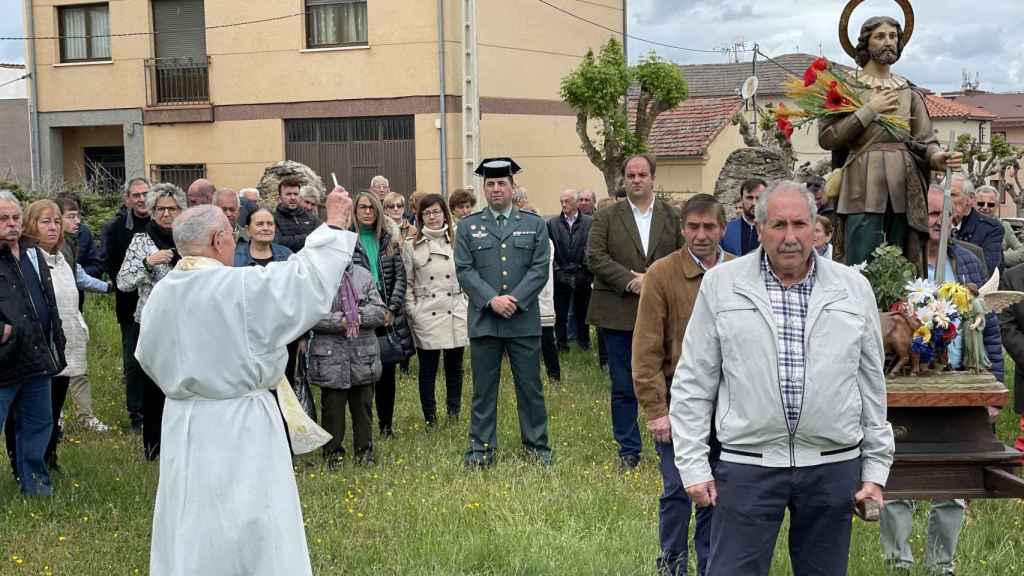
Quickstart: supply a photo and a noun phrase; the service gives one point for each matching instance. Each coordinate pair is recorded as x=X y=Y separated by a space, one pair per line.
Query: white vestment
x=213 y=339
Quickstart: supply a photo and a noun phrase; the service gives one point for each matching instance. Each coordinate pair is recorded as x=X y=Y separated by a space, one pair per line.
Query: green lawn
x=417 y=511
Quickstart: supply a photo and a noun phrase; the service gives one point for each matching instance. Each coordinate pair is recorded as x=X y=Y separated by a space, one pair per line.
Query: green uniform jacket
x=615 y=251
x=493 y=262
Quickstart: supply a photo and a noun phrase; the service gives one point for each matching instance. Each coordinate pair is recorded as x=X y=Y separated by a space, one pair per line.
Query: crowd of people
x=690 y=311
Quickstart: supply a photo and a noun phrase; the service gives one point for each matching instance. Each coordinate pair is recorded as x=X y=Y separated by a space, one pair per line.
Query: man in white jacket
x=785 y=349
x=213 y=338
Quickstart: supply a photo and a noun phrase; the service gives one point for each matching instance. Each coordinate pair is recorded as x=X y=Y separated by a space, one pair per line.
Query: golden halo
x=844 y=25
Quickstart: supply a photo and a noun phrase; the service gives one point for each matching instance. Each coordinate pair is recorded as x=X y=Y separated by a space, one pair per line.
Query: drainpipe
x=443 y=107
x=33 y=112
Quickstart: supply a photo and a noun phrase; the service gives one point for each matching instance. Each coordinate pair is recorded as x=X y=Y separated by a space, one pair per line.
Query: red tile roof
x=688 y=129
x=1008 y=108
x=939 y=107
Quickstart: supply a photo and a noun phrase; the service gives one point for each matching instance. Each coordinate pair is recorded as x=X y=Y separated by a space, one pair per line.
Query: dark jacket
x=736 y=231
x=614 y=252
x=278 y=253
x=88 y=254
x=392 y=275
x=986 y=233
x=293 y=226
x=570 y=257
x=117 y=236
x=967 y=268
x=510 y=260
x=1012 y=322
x=339 y=362
x=32 y=349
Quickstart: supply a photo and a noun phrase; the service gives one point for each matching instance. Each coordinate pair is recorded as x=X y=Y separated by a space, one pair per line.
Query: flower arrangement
x=888 y=272
x=938 y=309
x=825 y=92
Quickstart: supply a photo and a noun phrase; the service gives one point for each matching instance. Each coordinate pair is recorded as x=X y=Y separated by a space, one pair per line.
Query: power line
x=632 y=37
x=154 y=33
x=15 y=80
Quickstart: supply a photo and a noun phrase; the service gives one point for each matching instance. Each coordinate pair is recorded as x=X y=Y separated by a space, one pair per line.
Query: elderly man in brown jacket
x=666 y=301
x=625 y=239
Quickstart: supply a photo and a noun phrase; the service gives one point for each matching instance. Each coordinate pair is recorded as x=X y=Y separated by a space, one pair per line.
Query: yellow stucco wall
x=1015 y=136
x=93 y=86
x=235 y=153
x=679 y=177
x=548 y=150
x=75 y=142
x=727 y=142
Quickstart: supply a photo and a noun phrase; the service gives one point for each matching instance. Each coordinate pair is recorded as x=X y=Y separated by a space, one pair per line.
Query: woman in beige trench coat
x=435 y=306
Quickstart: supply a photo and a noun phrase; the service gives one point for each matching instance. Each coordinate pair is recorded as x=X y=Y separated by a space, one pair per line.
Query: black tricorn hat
x=497 y=168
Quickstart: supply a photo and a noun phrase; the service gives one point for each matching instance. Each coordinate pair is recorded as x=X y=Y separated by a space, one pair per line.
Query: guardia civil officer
x=501 y=259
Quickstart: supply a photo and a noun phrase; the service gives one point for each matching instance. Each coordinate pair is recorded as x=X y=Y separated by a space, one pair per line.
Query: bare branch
x=588 y=145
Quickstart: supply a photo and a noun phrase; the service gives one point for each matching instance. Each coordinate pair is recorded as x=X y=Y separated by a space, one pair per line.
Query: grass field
x=418 y=511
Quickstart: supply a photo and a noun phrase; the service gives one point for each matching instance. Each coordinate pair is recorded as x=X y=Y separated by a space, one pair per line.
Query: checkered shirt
x=789 y=306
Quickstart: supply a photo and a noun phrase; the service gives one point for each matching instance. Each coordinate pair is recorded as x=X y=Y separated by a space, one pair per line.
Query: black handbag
x=391 y=350
x=300 y=385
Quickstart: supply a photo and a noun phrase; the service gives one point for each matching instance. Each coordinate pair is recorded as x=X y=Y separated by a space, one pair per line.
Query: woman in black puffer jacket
x=379 y=251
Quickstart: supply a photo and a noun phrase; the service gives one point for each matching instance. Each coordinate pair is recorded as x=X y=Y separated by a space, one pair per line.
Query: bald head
x=200 y=192
x=205 y=231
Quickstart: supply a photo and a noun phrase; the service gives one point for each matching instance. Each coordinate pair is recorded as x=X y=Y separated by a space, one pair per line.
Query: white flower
x=942 y=312
x=925 y=314
x=860 y=267
x=920 y=291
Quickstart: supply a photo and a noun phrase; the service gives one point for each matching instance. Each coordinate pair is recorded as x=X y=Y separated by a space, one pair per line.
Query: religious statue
x=882 y=192
x=975 y=357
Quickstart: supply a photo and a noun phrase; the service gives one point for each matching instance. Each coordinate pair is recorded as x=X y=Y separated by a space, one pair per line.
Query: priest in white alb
x=213 y=339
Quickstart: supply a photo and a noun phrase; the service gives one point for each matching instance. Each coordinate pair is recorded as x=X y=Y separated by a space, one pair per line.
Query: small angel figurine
x=975 y=357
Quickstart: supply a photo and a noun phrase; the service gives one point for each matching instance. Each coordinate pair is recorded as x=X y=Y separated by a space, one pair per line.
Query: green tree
x=596 y=90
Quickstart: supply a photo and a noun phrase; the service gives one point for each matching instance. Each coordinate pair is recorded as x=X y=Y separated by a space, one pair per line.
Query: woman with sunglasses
x=394 y=208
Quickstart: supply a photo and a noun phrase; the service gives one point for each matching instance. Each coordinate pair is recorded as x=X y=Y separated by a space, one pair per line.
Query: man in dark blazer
x=1012 y=322
x=625 y=239
x=568 y=232
x=980 y=230
x=502 y=256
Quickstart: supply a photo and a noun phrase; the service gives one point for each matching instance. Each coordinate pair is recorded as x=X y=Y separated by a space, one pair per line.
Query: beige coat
x=434 y=303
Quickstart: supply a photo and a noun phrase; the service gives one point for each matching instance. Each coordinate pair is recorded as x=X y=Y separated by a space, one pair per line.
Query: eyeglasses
x=166 y=209
x=986 y=204
x=394 y=206
x=432 y=213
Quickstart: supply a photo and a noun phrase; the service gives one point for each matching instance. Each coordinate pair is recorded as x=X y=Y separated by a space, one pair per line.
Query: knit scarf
x=163 y=238
x=371 y=246
x=349 y=304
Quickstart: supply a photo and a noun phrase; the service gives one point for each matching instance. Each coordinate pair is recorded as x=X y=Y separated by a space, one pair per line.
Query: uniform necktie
x=501 y=220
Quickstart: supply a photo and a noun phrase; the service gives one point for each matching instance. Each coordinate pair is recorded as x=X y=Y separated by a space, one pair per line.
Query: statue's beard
x=884 y=56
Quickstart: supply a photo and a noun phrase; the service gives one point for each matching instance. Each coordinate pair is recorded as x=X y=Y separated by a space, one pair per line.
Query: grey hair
x=194 y=229
x=8 y=196
x=242 y=193
x=575 y=193
x=986 y=189
x=379 y=178
x=137 y=180
x=966 y=186
x=165 y=190
x=222 y=191
x=761 y=208
x=308 y=191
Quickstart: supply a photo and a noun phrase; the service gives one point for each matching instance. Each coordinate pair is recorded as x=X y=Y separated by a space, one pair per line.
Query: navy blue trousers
x=752 y=501
x=674 y=509
x=624 y=405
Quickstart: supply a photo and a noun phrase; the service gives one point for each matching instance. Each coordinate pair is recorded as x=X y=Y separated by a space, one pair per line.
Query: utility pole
x=625 y=36
x=470 y=97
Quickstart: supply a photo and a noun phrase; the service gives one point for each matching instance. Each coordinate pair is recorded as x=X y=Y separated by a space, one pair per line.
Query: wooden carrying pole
x=947 y=201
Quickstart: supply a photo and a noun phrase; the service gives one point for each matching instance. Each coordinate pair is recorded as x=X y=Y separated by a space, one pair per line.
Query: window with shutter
x=84 y=32
x=332 y=23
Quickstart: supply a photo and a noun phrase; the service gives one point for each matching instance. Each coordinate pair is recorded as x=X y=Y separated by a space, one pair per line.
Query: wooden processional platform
x=945 y=445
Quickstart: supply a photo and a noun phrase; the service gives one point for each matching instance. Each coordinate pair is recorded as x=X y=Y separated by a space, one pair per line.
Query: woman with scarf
x=344 y=361
x=379 y=252
x=44 y=229
x=150 y=256
x=435 y=306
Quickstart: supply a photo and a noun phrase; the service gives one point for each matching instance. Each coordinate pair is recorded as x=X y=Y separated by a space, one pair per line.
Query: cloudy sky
x=985 y=37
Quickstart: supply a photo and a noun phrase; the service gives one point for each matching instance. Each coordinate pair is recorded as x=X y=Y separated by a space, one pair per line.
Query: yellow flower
x=958 y=294
x=924 y=333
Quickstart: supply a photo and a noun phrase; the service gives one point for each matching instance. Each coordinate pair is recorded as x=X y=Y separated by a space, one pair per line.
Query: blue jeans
x=674 y=520
x=624 y=405
x=30 y=402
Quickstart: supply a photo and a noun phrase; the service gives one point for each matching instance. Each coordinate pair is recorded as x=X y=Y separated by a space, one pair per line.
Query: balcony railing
x=177 y=81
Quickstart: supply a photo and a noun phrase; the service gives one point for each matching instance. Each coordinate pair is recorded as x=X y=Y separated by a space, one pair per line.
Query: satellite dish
x=749 y=88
